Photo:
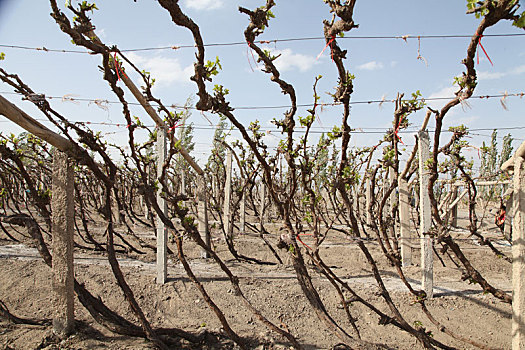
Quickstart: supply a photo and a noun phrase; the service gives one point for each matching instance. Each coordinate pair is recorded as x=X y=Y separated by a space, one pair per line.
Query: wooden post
x=63 y=213
x=162 y=233
x=518 y=256
x=202 y=216
x=226 y=213
x=261 y=210
x=427 y=278
x=404 y=223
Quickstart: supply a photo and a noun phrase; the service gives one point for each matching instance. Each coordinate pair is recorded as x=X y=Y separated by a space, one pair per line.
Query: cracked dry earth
x=25 y=287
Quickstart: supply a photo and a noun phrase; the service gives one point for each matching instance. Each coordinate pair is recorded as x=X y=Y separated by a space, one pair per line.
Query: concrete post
x=145 y=209
x=63 y=213
x=404 y=223
x=214 y=187
x=261 y=208
x=162 y=232
x=454 y=212
x=518 y=257
x=116 y=211
x=227 y=195
x=368 y=197
x=242 y=225
x=182 y=128
x=386 y=208
x=182 y=183
x=202 y=215
x=507 y=230
x=427 y=277
x=392 y=198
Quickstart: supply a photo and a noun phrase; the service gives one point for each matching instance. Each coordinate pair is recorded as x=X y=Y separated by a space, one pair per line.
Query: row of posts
x=63 y=216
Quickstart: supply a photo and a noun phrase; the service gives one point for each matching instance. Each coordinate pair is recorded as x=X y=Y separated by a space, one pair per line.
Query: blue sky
x=383 y=67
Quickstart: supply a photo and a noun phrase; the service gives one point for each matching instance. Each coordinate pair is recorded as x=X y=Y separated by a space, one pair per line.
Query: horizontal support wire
x=270 y=41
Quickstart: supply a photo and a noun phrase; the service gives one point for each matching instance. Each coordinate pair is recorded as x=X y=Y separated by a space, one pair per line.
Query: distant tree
x=491 y=161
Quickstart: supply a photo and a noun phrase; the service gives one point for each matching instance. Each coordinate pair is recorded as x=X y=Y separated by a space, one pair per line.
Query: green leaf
x=2 y=56
x=520 y=22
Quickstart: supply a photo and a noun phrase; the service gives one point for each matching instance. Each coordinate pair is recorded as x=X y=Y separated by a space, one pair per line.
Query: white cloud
x=289 y=60
x=164 y=70
x=448 y=92
x=519 y=70
x=203 y=4
x=482 y=75
x=372 y=65
x=457 y=119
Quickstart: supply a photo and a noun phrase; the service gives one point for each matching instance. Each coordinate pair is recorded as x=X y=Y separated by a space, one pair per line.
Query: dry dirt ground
x=25 y=287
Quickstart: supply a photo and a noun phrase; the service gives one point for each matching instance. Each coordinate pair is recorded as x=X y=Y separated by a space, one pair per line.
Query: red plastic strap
x=253 y=57
x=329 y=43
x=117 y=67
x=299 y=239
x=173 y=127
x=485 y=52
x=500 y=219
x=116 y=64
x=397 y=130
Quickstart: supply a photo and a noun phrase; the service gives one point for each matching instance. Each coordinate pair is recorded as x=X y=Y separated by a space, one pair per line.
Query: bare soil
x=25 y=287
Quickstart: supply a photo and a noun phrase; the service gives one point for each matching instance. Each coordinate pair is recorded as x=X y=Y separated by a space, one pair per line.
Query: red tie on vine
x=485 y=52
x=329 y=43
x=253 y=57
x=299 y=239
x=173 y=127
x=397 y=130
x=117 y=66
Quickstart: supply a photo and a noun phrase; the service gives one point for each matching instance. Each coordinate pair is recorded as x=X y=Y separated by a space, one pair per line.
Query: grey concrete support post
x=116 y=211
x=182 y=183
x=63 y=215
x=427 y=257
x=509 y=217
x=392 y=199
x=518 y=257
x=162 y=233
x=227 y=195
x=384 y=189
x=454 y=212
x=242 y=225
x=404 y=223
x=202 y=215
x=261 y=208
x=368 y=197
